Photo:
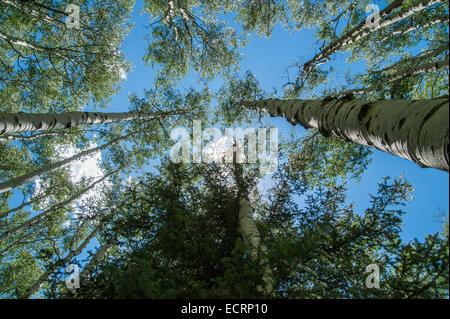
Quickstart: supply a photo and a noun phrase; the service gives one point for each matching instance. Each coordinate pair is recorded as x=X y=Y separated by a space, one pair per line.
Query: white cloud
x=87 y=168
x=123 y=74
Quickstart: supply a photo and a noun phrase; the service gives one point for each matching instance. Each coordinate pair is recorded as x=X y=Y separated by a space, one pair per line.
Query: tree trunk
x=363 y=30
x=12 y=210
x=430 y=67
x=421 y=57
x=415 y=130
x=52 y=209
x=258 y=251
x=60 y=263
x=26 y=44
x=435 y=20
x=18 y=181
x=29 y=122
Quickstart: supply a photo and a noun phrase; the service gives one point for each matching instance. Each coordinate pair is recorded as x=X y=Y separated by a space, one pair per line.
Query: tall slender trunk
x=417 y=59
x=406 y=30
x=415 y=130
x=60 y=263
x=362 y=30
x=389 y=20
x=55 y=207
x=12 y=210
x=18 y=181
x=31 y=122
x=250 y=233
x=34 y=46
x=258 y=251
x=15 y=137
x=426 y=68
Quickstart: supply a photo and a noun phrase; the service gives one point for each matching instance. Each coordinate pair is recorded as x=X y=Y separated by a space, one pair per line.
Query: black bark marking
x=386 y=139
x=429 y=115
x=368 y=124
x=347 y=97
x=328 y=99
x=433 y=110
x=363 y=111
x=324 y=132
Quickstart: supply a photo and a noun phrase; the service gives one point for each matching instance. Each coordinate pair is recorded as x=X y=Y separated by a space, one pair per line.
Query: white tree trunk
x=12 y=210
x=426 y=68
x=26 y=44
x=436 y=20
x=52 y=209
x=29 y=122
x=421 y=57
x=258 y=251
x=362 y=30
x=60 y=263
x=415 y=130
x=18 y=181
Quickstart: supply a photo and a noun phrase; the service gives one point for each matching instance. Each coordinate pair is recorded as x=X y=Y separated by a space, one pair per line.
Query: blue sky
x=268 y=60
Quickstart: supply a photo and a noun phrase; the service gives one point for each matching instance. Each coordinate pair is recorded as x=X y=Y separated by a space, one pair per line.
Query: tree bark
x=18 y=181
x=417 y=59
x=430 y=67
x=12 y=210
x=363 y=30
x=60 y=263
x=31 y=122
x=414 y=130
x=435 y=20
x=52 y=209
x=33 y=46
x=258 y=251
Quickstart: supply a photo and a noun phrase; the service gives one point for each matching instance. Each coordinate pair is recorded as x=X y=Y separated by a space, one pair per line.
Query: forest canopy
x=209 y=183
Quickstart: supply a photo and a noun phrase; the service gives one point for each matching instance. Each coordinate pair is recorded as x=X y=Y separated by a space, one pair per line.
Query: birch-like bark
x=6 y=138
x=362 y=30
x=26 y=44
x=31 y=122
x=258 y=251
x=389 y=20
x=436 y=20
x=170 y=18
x=52 y=209
x=431 y=67
x=60 y=263
x=12 y=210
x=39 y=135
x=417 y=59
x=35 y=13
x=18 y=181
x=415 y=130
